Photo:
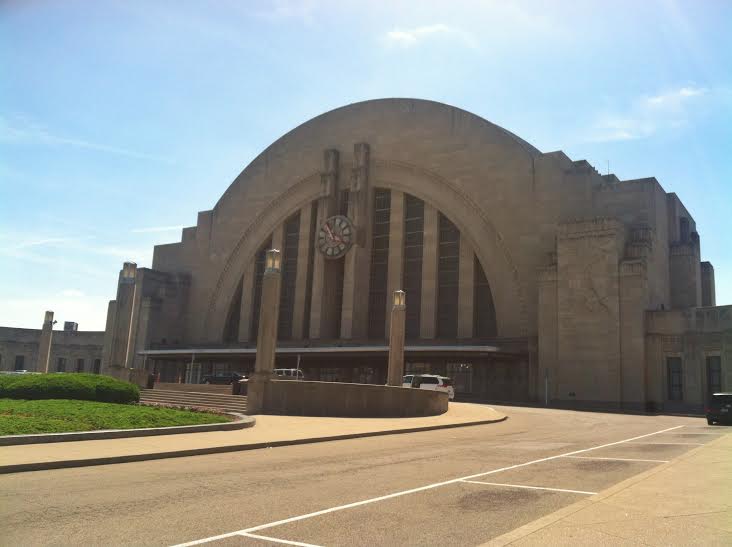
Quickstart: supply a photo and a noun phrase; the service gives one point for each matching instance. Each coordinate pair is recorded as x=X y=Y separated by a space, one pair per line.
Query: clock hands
x=331 y=235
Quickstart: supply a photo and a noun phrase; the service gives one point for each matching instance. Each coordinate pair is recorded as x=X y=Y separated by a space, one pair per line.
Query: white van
x=430 y=381
x=289 y=373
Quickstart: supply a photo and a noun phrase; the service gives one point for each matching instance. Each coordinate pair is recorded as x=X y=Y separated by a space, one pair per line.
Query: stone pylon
x=267 y=334
x=396 y=340
x=44 y=346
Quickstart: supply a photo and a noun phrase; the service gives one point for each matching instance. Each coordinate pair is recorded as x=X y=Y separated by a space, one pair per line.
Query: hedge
x=87 y=387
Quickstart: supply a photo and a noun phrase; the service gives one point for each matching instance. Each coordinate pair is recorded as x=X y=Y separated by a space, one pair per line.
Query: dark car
x=225 y=378
x=719 y=408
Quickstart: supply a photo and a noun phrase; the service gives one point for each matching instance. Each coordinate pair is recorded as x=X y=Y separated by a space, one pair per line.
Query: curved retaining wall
x=298 y=398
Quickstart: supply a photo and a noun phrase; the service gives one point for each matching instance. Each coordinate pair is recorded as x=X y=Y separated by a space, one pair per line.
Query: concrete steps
x=231 y=403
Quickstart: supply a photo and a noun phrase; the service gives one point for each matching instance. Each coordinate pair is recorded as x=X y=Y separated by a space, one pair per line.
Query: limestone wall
x=350 y=400
x=70 y=345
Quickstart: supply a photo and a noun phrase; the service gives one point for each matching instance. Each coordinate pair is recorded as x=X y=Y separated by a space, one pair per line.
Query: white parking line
x=412 y=491
x=682 y=444
x=277 y=540
x=616 y=459
x=532 y=487
x=702 y=433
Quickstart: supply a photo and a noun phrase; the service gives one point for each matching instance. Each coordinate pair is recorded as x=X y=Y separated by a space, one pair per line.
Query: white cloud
x=412 y=37
x=89 y=312
x=648 y=115
x=24 y=131
x=72 y=293
x=152 y=229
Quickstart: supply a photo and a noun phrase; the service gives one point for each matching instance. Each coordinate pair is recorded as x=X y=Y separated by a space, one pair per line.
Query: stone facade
x=553 y=269
x=71 y=350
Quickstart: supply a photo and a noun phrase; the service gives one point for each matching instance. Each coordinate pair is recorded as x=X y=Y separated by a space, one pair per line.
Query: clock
x=335 y=236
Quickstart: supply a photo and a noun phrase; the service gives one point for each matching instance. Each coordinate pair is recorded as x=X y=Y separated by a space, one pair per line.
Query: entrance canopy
x=203 y=353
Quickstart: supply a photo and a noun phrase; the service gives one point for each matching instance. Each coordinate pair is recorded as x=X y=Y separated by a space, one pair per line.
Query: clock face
x=335 y=236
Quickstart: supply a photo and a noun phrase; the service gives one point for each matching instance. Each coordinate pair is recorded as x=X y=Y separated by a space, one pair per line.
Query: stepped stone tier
x=528 y=275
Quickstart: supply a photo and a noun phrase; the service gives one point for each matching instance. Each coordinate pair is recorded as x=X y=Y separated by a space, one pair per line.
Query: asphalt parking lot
x=493 y=502
x=461 y=487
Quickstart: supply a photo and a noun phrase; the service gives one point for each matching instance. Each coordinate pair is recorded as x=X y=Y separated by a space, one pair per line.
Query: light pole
x=395 y=371
x=267 y=334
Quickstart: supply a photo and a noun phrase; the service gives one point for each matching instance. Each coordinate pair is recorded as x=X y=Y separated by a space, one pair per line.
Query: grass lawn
x=20 y=417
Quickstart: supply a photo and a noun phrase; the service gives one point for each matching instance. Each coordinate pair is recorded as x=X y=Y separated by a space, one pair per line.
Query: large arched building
x=529 y=276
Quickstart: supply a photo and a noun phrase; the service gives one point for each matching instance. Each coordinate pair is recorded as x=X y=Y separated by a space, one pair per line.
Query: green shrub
x=87 y=387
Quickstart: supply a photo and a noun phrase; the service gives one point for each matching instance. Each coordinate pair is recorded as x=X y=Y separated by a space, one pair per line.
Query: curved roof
x=388 y=107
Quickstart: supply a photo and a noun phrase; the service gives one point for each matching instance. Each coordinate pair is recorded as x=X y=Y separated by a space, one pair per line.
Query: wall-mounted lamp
x=400 y=298
x=273 y=261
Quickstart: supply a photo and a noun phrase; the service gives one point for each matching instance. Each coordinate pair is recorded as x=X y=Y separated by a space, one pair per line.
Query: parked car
x=289 y=373
x=430 y=381
x=719 y=409
x=225 y=378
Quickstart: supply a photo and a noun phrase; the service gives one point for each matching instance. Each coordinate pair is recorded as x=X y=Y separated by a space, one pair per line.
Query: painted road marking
x=683 y=444
x=532 y=487
x=278 y=540
x=411 y=491
x=616 y=459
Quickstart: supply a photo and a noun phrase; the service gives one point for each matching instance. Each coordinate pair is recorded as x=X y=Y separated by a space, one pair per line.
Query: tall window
x=343 y=199
x=257 y=290
x=20 y=362
x=714 y=374
x=379 y=264
x=80 y=365
x=311 y=261
x=484 y=312
x=61 y=364
x=413 y=248
x=289 y=277
x=675 y=379
x=233 y=318
x=448 y=279
x=684 y=229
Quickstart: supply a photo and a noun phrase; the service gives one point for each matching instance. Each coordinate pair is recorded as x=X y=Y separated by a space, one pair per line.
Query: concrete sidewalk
x=269 y=431
x=687 y=501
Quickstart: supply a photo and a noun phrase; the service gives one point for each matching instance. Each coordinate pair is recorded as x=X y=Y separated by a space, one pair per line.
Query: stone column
x=44 y=346
x=354 y=315
x=396 y=340
x=323 y=293
x=431 y=241
x=396 y=248
x=465 y=290
x=267 y=334
x=301 y=289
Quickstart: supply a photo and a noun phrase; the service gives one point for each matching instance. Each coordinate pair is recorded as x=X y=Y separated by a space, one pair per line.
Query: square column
x=322 y=304
x=267 y=333
x=466 y=288
x=395 y=372
x=44 y=346
x=431 y=241
x=357 y=267
x=396 y=248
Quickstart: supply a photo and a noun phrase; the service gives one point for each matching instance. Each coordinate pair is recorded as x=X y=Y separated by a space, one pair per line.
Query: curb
x=64 y=464
x=242 y=422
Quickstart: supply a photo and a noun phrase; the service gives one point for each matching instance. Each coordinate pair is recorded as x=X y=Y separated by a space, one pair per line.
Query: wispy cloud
x=22 y=130
x=414 y=36
x=72 y=293
x=41 y=249
x=648 y=114
x=152 y=229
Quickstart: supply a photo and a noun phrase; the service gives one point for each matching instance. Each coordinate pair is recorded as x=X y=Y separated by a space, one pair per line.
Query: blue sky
x=120 y=120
